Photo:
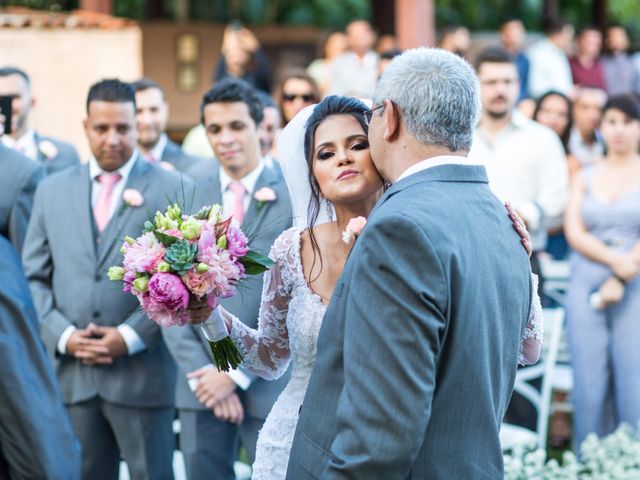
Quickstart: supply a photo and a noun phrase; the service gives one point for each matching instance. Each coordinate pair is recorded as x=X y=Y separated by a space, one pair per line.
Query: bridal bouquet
x=183 y=261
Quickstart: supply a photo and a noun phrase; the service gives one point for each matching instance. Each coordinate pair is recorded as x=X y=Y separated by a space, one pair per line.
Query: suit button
x=96 y=314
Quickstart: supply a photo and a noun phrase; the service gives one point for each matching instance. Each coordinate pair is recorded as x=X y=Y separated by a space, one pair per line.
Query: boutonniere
x=132 y=198
x=167 y=166
x=48 y=149
x=264 y=195
x=354 y=227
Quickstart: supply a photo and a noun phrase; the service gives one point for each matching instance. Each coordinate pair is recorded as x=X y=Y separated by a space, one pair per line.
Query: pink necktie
x=149 y=158
x=102 y=209
x=238 y=203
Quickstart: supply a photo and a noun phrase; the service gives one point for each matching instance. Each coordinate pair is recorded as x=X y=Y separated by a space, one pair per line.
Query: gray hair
x=438 y=95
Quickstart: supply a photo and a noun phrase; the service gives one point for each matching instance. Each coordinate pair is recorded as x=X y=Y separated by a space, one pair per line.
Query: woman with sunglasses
x=328 y=145
x=297 y=90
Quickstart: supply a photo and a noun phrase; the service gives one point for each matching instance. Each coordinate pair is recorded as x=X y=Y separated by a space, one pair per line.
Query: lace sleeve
x=266 y=350
x=533 y=332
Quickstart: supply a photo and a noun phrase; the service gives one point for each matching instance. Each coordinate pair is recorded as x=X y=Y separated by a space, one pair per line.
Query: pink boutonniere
x=167 y=166
x=48 y=149
x=354 y=227
x=264 y=195
x=132 y=197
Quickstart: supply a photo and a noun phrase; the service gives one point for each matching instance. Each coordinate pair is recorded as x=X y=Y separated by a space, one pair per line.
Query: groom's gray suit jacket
x=418 y=350
x=66 y=262
x=262 y=224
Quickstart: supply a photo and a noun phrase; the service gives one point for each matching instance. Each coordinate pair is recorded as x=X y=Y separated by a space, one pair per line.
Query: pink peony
x=223 y=271
x=127 y=280
x=166 y=291
x=207 y=237
x=237 y=242
x=174 y=232
x=144 y=255
x=200 y=284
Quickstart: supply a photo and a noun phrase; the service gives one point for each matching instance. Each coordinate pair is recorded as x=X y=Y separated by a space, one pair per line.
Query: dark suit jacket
x=67 y=271
x=18 y=182
x=36 y=438
x=188 y=346
x=418 y=349
x=67 y=156
x=174 y=155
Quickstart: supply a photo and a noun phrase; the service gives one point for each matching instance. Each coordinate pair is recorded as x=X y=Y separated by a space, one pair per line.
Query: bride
x=338 y=178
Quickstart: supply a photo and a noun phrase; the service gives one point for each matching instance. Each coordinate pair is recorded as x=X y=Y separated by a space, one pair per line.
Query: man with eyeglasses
x=525 y=161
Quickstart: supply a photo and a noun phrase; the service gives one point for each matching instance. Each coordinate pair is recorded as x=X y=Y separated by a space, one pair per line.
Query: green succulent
x=181 y=256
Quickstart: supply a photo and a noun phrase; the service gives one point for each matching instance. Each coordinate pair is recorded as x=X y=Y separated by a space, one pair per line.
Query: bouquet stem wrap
x=224 y=351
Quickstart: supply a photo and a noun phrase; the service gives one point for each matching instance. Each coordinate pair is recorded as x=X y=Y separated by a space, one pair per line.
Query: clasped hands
x=217 y=392
x=96 y=345
x=625 y=268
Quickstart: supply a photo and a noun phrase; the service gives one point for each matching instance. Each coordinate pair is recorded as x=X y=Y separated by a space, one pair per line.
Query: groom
x=418 y=350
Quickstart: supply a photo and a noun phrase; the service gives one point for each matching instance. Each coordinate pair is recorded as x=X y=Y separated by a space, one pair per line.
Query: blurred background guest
x=585 y=142
x=586 y=66
x=553 y=110
x=385 y=60
x=50 y=152
x=152 y=114
x=320 y=69
x=242 y=58
x=455 y=38
x=603 y=229
x=269 y=128
x=549 y=65
x=620 y=73
x=297 y=90
x=355 y=71
x=512 y=36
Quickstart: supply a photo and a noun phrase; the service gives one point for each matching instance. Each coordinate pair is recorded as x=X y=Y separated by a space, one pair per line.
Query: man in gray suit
x=418 y=349
x=152 y=114
x=51 y=153
x=36 y=438
x=219 y=411
x=116 y=374
x=18 y=182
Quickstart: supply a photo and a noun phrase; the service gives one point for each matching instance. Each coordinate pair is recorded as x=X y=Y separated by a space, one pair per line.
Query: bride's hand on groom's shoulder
x=520 y=226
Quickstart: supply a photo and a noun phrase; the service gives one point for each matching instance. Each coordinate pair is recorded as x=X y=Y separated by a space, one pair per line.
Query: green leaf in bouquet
x=256 y=263
x=164 y=239
x=181 y=256
x=203 y=214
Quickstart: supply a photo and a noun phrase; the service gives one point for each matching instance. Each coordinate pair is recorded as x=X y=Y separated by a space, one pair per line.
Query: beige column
x=100 y=6
x=415 y=23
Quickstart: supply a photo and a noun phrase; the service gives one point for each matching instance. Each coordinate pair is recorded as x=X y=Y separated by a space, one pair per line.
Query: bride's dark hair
x=330 y=106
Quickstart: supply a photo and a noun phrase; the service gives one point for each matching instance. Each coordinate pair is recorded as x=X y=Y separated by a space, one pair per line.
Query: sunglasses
x=368 y=114
x=305 y=97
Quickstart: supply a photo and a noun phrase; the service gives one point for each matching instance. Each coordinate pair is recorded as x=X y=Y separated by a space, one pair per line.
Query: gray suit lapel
x=114 y=230
x=81 y=205
x=255 y=212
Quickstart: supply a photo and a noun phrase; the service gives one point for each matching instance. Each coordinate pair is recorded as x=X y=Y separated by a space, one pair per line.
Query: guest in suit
x=36 y=438
x=152 y=114
x=426 y=318
x=20 y=176
x=269 y=128
x=117 y=376
x=52 y=153
x=220 y=411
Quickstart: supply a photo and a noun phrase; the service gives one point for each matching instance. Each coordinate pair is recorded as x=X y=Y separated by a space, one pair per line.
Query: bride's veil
x=296 y=171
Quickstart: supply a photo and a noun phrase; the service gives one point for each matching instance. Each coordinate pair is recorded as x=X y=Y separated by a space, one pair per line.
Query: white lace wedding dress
x=289 y=323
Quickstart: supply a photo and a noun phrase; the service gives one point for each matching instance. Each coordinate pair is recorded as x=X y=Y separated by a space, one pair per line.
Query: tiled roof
x=18 y=17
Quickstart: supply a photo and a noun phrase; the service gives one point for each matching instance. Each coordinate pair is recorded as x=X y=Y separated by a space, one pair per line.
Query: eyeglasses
x=305 y=97
x=368 y=114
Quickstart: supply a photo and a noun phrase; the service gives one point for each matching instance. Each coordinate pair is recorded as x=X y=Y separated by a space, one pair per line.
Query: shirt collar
x=26 y=141
x=248 y=181
x=158 y=149
x=124 y=170
x=436 y=162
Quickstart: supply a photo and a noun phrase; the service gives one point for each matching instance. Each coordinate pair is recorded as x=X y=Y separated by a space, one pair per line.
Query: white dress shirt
x=354 y=76
x=26 y=144
x=228 y=197
x=548 y=69
x=585 y=153
x=436 y=162
x=526 y=166
x=133 y=341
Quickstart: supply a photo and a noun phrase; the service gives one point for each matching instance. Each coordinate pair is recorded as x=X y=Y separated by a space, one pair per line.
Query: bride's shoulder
x=286 y=245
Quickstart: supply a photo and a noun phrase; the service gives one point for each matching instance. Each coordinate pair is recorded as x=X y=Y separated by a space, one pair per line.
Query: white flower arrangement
x=616 y=456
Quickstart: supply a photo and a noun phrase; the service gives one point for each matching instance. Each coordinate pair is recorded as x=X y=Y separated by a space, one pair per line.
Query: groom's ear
x=392 y=121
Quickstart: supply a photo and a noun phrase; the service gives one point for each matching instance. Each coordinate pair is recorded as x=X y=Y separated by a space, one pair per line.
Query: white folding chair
x=513 y=435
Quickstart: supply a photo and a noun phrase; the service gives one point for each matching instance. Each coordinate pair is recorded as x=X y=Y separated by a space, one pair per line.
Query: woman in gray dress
x=603 y=302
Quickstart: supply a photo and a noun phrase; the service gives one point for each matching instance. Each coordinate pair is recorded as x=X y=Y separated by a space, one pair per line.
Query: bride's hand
x=520 y=227
x=199 y=311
